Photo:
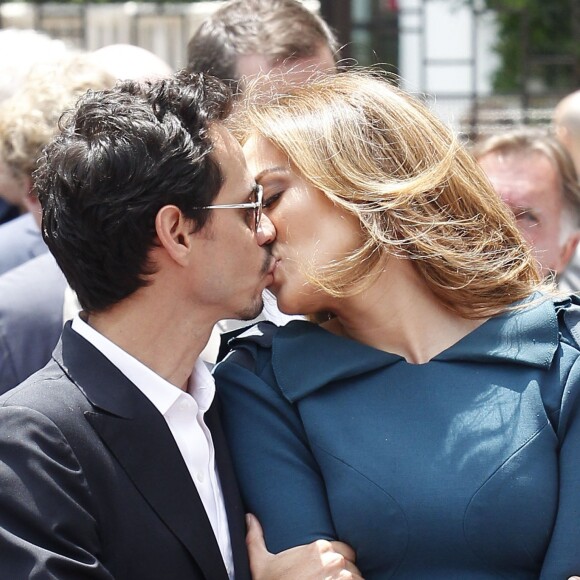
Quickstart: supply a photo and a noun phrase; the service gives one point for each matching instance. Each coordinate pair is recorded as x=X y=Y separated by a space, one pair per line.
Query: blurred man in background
x=246 y=38
x=534 y=174
x=566 y=123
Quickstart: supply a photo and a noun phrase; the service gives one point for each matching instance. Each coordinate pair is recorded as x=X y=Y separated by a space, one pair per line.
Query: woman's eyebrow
x=270 y=170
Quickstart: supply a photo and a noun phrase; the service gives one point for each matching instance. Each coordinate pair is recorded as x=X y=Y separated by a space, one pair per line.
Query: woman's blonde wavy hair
x=382 y=155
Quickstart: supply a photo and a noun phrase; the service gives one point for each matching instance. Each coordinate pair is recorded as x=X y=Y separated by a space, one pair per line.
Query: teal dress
x=466 y=467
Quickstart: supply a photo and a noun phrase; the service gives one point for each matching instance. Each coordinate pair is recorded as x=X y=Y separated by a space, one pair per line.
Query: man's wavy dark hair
x=123 y=154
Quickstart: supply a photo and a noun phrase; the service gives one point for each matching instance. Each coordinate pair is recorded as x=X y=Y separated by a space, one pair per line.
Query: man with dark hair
x=112 y=458
x=246 y=37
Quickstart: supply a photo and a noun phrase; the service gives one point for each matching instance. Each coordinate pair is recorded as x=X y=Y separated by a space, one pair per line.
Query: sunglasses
x=257 y=205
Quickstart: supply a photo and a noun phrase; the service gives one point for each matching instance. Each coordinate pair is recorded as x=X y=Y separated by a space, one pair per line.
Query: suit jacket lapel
x=138 y=436
x=233 y=501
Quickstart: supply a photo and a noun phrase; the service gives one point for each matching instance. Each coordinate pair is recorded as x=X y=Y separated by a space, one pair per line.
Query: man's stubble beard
x=255 y=309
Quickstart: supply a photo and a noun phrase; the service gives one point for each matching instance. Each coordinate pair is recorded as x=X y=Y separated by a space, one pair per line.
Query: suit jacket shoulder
x=31 y=318
x=94 y=485
x=20 y=241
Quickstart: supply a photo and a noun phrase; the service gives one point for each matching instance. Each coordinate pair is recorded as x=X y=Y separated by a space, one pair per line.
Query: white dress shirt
x=209 y=354
x=184 y=414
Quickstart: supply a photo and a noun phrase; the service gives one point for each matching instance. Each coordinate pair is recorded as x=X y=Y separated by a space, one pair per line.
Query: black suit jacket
x=92 y=484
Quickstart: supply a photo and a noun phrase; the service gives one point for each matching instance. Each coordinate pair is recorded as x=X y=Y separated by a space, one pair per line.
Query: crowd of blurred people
x=516 y=194
x=240 y=42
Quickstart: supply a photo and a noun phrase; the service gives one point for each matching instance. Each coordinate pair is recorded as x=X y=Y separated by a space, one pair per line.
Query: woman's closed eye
x=271 y=200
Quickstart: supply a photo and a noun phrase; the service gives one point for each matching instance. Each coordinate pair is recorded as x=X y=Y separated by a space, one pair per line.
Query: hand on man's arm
x=320 y=560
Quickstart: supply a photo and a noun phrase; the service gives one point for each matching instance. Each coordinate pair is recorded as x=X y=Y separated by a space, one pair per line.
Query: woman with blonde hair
x=430 y=417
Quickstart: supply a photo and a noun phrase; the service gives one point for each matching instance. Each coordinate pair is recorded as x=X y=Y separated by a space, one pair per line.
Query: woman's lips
x=273 y=267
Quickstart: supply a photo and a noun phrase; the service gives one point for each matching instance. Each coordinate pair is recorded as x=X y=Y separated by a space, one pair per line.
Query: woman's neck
x=400 y=315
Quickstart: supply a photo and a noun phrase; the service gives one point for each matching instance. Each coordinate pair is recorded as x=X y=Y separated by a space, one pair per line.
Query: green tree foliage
x=537 y=44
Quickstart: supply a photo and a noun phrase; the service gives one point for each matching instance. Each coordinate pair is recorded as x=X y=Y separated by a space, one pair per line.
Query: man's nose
x=266 y=232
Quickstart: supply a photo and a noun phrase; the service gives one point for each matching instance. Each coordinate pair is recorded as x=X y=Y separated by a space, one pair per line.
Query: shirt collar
x=160 y=392
x=526 y=336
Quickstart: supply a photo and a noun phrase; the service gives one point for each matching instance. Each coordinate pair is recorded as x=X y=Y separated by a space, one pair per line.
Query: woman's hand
x=320 y=560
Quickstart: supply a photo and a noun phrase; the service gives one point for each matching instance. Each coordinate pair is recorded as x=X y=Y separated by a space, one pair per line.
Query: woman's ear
x=567 y=251
x=174 y=233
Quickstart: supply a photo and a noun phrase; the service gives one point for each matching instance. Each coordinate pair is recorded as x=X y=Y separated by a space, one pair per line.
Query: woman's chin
x=286 y=306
